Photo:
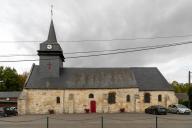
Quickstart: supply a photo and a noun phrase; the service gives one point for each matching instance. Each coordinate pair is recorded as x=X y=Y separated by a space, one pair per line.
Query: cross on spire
x=51 y=11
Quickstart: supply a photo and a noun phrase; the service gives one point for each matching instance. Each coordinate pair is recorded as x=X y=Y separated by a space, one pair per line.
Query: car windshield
x=160 y=107
x=181 y=106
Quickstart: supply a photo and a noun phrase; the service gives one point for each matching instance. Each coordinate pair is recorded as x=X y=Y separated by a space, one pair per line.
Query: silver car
x=178 y=109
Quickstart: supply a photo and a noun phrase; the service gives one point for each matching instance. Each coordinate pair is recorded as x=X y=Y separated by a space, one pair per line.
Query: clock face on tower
x=49 y=46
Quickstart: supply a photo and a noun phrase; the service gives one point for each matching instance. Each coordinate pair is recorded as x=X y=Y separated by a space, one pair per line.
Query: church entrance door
x=93 y=106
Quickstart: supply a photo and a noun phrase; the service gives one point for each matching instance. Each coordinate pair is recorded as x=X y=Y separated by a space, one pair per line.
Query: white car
x=178 y=109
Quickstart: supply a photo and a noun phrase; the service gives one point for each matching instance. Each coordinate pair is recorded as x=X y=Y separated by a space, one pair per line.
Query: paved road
x=124 y=120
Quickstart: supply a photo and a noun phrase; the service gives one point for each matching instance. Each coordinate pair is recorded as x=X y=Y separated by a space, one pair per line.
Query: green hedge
x=184 y=102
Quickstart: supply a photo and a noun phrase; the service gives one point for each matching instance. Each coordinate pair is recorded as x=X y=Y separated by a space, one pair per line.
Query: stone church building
x=52 y=87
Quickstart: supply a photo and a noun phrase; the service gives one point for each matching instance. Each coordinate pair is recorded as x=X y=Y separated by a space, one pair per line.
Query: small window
x=112 y=98
x=105 y=96
x=128 y=98
x=91 y=95
x=58 y=100
x=159 y=98
x=147 y=98
x=71 y=96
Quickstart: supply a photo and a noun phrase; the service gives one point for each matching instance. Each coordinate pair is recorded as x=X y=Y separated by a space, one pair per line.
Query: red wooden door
x=93 y=106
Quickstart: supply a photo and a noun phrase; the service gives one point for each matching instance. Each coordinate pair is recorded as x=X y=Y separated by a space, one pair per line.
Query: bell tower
x=51 y=56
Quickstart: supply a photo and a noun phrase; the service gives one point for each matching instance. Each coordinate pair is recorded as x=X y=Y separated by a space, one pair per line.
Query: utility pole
x=189 y=78
x=47 y=122
x=189 y=93
x=102 y=121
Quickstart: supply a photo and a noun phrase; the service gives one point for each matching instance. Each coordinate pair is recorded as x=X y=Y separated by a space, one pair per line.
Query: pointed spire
x=52 y=36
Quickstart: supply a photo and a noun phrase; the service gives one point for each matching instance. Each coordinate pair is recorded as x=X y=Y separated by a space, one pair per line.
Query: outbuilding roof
x=12 y=94
x=100 y=78
x=182 y=96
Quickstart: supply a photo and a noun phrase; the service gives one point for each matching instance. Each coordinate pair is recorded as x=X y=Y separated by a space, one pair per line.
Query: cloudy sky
x=29 y=20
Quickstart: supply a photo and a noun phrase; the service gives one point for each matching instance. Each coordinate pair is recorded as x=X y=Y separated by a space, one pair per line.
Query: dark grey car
x=7 y=111
x=156 y=109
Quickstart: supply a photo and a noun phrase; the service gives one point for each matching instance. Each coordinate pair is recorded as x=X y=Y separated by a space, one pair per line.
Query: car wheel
x=177 y=112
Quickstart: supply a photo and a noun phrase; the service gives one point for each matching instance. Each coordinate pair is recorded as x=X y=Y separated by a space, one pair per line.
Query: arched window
x=105 y=96
x=112 y=98
x=159 y=98
x=128 y=98
x=147 y=98
x=91 y=95
x=58 y=100
x=71 y=96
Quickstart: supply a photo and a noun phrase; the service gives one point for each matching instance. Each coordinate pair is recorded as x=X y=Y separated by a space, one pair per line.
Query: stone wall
x=35 y=101
x=40 y=101
x=21 y=103
x=81 y=100
x=168 y=97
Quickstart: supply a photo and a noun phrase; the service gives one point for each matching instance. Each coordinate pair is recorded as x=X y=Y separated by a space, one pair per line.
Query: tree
x=180 y=87
x=10 y=79
x=183 y=88
x=22 y=78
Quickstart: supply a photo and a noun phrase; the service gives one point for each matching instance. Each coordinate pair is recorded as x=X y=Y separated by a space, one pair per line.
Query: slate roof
x=100 y=78
x=150 y=79
x=52 y=36
x=79 y=78
x=13 y=94
x=51 y=40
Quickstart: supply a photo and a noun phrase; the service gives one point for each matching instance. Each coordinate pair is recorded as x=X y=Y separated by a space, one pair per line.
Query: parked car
x=156 y=109
x=178 y=109
x=7 y=111
x=13 y=108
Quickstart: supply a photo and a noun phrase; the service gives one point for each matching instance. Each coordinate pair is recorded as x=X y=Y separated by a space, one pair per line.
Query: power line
x=110 y=50
x=24 y=60
x=101 y=40
x=136 y=50
x=18 y=55
x=125 y=39
x=112 y=53
x=7 y=61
